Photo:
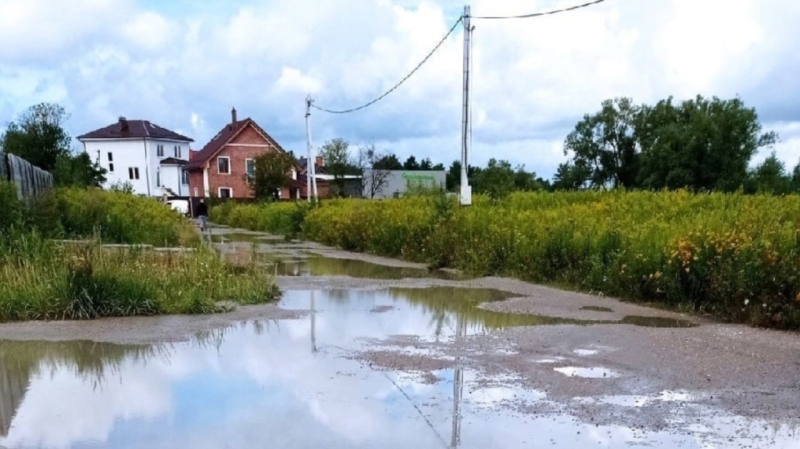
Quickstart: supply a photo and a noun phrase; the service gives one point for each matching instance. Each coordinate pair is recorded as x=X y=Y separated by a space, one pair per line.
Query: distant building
x=395 y=183
x=147 y=156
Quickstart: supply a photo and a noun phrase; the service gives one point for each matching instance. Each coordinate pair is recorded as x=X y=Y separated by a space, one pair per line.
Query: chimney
x=123 y=123
x=320 y=162
x=233 y=116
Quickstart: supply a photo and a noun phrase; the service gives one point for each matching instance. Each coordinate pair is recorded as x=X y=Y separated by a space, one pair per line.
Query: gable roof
x=173 y=161
x=228 y=133
x=134 y=129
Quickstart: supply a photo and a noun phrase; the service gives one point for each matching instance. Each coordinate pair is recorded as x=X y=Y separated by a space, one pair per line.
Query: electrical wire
x=401 y=81
x=538 y=14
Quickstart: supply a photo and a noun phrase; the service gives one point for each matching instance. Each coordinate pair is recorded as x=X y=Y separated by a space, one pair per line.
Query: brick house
x=219 y=168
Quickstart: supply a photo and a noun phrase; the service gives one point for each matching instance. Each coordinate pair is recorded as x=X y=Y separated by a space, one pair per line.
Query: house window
x=185 y=177
x=158 y=178
x=110 y=157
x=110 y=167
x=250 y=166
x=224 y=165
x=160 y=150
x=133 y=172
x=225 y=192
x=177 y=151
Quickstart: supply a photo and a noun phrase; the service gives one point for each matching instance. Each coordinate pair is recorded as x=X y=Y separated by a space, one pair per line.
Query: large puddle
x=294 y=383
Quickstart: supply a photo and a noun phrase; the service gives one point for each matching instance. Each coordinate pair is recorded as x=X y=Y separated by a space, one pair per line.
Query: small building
x=148 y=157
x=220 y=167
x=396 y=183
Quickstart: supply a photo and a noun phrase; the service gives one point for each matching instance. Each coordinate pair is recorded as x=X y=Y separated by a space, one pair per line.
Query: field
x=733 y=257
x=43 y=278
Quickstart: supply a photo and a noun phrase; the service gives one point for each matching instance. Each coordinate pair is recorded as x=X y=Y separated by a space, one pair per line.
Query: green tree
x=770 y=177
x=38 y=136
x=336 y=154
x=496 y=180
x=426 y=164
x=388 y=162
x=700 y=144
x=605 y=144
x=78 y=171
x=571 y=176
x=271 y=174
x=411 y=163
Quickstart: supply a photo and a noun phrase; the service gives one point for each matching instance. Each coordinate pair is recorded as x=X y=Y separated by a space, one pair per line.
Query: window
x=133 y=172
x=110 y=157
x=158 y=178
x=250 y=166
x=185 y=177
x=160 y=150
x=110 y=161
x=225 y=192
x=110 y=167
x=224 y=165
x=177 y=150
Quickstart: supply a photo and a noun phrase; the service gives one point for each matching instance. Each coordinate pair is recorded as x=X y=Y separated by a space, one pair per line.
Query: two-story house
x=151 y=158
x=219 y=169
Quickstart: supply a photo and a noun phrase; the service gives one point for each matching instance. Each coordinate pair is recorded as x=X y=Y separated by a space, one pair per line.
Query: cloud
x=532 y=79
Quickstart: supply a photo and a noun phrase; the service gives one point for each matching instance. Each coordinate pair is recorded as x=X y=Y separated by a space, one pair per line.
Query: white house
x=149 y=157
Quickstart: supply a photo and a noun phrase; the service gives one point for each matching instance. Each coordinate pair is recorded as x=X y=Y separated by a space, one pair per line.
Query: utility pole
x=466 y=189
x=311 y=170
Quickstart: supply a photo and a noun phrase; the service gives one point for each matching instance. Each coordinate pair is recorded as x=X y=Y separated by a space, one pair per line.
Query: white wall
x=171 y=178
x=139 y=153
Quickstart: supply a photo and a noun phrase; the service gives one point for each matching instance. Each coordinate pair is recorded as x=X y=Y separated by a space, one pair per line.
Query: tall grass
x=41 y=279
x=732 y=256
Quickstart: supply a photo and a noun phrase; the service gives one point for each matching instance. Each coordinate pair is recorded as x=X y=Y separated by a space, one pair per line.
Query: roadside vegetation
x=44 y=278
x=732 y=256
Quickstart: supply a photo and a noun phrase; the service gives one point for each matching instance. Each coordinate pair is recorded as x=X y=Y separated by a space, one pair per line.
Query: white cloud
x=533 y=79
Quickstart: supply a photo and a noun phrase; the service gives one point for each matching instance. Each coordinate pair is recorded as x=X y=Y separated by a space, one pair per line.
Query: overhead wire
x=538 y=14
x=401 y=81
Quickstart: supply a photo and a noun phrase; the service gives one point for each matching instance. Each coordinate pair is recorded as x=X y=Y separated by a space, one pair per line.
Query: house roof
x=319 y=169
x=173 y=161
x=228 y=133
x=134 y=129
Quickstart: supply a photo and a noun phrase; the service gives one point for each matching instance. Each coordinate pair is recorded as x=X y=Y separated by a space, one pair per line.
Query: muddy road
x=368 y=352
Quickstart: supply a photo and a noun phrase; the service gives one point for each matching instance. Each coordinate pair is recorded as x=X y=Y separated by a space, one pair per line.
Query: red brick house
x=219 y=168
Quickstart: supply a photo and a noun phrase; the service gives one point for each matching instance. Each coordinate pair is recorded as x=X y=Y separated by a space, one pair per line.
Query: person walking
x=202 y=214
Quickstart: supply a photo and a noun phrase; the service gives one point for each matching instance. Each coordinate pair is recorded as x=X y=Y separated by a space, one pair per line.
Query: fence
x=31 y=181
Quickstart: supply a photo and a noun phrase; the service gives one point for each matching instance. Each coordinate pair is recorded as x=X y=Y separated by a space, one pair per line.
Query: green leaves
x=271 y=174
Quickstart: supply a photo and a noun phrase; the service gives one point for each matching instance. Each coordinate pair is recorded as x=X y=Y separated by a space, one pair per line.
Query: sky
x=183 y=65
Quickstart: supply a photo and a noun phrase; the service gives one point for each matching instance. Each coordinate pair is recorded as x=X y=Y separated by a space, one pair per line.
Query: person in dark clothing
x=202 y=214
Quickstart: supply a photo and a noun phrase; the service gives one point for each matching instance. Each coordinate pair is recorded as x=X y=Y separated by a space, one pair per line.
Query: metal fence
x=31 y=181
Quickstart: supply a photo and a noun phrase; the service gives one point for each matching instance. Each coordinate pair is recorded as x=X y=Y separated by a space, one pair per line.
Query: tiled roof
x=134 y=129
x=223 y=137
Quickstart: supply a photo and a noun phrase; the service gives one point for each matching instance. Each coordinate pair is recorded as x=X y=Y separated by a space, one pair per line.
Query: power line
x=401 y=81
x=538 y=14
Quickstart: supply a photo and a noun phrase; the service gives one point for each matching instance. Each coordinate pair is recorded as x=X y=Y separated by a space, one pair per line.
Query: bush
x=732 y=256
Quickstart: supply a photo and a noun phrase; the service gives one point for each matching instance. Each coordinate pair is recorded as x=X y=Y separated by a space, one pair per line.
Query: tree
x=606 y=145
x=770 y=177
x=526 y=181
x=78 y=171
x=374 y=179
x=38 y=136
x=496 y=180
x=699 y=144
x=388 y=162
x=411 y=164
x=571 y=176
x=271 y=174
x=426 y=164
x=336 y=154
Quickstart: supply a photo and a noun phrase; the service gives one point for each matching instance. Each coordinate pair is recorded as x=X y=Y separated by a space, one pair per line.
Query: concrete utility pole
x=311 y=170
x=466 y=189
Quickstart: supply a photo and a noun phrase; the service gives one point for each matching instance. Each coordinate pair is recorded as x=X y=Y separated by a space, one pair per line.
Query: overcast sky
x=183 y=66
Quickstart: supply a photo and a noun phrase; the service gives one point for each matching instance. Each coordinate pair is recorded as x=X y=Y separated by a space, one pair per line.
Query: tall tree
x=604 y=142
x=411 y=163
x=38 y=136
x=571 y=176
x=271 y=174
x=336 y=154
x=770 y=177
x=388 y=162
x=426 y=164
x=700 y=144
x=78 y=170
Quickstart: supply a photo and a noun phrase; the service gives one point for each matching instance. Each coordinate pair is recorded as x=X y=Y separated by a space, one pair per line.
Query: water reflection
x=285 y=384
x=326 y=266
